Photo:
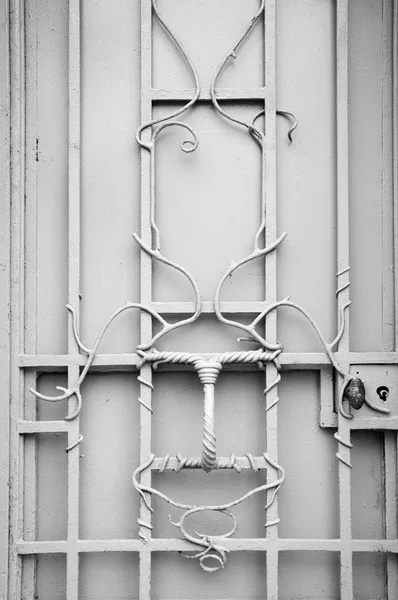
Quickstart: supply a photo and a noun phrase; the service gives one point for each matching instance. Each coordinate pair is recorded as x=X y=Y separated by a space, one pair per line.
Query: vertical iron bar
x=392 y=583
x=31 y=178
x=395 y=153
x=146 y=288
x=17 y=264
x=269 y=205
x=388 y=329
x=346 y=581
x=4 y=290
x=29 y=460
x=72 y=581
x=389 y=123
x=30 y=507
x=390 y=515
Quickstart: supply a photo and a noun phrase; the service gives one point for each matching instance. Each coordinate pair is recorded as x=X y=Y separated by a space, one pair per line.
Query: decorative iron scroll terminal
x=212 y=545
x=210 y=552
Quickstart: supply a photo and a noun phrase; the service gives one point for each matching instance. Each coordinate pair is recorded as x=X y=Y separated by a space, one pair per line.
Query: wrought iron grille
x=210 y=551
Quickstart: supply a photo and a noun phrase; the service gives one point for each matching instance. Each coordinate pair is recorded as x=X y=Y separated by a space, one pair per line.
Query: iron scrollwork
x=210 y=552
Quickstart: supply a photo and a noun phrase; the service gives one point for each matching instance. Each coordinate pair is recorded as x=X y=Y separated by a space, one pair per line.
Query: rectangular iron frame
x=26 y=364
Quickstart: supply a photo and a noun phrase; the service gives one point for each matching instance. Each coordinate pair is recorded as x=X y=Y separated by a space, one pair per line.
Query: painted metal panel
x=92 y=74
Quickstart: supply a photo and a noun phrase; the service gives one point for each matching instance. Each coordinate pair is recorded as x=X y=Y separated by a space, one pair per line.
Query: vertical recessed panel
x=52 y=486
x=183 y=579
x=207 y=334
x=367 y=485
x=309 y=576
x=369 y=571
x=370 y=151
x=51 y=577
x=46 y=384
x=240 y=413
x=218 y=21
x=108 y=576
x=309 y=497
x=110 y=170
x=52 y=169
x=240 y=428
x=208 y=205
x=195 y=487
x=109 y=455
x=306 y=178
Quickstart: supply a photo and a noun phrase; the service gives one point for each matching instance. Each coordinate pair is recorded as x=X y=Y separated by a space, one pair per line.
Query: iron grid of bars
x=25 y=363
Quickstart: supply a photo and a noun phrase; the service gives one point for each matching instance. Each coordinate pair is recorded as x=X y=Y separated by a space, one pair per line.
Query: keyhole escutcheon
x=383 y=391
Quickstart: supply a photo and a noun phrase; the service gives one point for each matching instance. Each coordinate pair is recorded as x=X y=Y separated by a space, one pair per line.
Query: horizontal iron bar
x=176 y=94
x=26 y=427
x=241 y=461
x=231 y=544
x=288 y=360
x=187 y=308
x=54 y=361
x=368 y=424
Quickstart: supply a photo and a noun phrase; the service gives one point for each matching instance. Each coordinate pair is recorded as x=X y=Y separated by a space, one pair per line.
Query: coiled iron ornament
x=210 y=552
x=210 y=547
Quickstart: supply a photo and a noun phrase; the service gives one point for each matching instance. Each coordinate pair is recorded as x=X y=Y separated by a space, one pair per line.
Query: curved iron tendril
x=283 y=113
x=257 y=253
x=256 y=133
x=166 y=328
x=232 y=54
x=210 y=546
x=211 y=549
x=250 y=126
x=194 y=73
x=254 y=335
x=187 y=146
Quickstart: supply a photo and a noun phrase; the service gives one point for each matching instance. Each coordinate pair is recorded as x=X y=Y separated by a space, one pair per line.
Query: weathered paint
x=4 y=291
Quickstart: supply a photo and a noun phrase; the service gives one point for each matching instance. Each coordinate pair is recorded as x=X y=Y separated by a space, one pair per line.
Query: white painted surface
x=208 y=211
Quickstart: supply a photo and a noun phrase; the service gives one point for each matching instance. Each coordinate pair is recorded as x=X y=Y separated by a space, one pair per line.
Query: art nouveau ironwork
x=210 y=550
x=339 y=367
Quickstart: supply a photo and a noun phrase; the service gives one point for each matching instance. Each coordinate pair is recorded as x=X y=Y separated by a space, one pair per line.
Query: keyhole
x=383 y=392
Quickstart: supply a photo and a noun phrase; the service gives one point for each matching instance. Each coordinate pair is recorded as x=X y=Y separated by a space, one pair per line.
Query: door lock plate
x=381 y=389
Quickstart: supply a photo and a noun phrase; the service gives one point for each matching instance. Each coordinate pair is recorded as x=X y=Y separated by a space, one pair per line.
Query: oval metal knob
x=354 y=393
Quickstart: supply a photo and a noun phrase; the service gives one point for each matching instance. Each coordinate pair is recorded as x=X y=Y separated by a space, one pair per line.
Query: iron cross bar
x=208 y=371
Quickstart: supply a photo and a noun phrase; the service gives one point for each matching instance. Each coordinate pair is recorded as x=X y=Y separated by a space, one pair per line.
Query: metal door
x=177 y=460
